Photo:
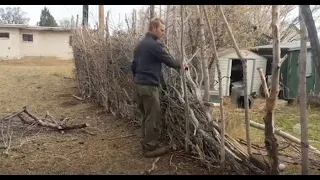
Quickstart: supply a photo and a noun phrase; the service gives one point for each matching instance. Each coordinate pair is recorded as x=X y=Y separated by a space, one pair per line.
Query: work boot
x=155 y=151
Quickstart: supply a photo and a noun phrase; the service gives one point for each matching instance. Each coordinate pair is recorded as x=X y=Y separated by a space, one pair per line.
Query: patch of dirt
x=70 y=103
x=109 y=146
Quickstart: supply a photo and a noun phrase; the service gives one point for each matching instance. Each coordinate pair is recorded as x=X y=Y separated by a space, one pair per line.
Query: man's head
x=157 y=27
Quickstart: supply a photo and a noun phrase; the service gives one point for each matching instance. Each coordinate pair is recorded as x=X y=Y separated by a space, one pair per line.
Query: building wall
x=9 y=47
x=256 y=76
x=45 y=44
x=294 y=74
x=224 y=68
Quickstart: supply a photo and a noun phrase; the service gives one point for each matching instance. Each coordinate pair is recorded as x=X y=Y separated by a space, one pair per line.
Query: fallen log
x=284 y=135
x=58 y=125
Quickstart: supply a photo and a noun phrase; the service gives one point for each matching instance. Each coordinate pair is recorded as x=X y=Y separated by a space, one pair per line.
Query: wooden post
x=101 y=18
x=151 y=12
x=77 y=20
x=303 y=97
x=85 y=15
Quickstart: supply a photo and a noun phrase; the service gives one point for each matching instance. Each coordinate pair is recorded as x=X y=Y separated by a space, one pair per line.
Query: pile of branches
x=104 y=77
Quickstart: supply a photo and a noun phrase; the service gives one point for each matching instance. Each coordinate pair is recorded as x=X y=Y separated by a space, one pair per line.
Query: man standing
x=149 y=55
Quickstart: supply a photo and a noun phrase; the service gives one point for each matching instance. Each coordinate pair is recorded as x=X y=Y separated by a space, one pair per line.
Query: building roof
x=231 y=53
x=289 y=46
x=36 y=28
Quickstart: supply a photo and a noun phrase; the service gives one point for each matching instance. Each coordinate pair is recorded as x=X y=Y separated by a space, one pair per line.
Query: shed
x=231 y=70
x=289 y=72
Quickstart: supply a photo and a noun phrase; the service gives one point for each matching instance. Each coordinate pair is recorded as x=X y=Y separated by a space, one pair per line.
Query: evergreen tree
x=46 y=19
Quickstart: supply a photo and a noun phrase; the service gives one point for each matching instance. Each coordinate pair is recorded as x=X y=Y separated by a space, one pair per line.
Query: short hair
x=155 y=22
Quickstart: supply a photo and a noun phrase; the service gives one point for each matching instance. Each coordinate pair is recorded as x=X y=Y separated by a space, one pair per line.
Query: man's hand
x=185 y=66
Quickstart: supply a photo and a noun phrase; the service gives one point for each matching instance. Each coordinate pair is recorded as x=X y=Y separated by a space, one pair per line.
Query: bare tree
x=270 y=139
x=13 y=15
x=66 y=23
x=303 y=96
x=313 y=35
x=204 y=61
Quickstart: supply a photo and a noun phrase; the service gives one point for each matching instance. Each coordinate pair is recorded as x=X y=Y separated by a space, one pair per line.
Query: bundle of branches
x=204 y=137
x=103 y=72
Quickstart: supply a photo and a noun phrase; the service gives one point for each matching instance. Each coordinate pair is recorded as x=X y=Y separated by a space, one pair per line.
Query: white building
x=18 y=41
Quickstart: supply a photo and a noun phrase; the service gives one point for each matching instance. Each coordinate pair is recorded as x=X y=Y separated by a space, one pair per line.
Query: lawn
x=286 y=118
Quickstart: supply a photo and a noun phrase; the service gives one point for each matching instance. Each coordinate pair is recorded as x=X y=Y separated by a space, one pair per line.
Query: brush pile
x=104 y=77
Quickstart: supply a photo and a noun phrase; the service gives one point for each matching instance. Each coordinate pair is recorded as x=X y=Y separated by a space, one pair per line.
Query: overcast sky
x=60 y=12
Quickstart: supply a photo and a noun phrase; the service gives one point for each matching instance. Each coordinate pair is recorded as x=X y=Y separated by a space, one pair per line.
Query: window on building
x=4 y=35
x=70 y=40
x=27 y=37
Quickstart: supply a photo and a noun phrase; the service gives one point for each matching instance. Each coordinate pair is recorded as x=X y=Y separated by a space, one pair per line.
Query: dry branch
x=244 y=64
x=58 y=125
x=215 y=54
x=284 y=135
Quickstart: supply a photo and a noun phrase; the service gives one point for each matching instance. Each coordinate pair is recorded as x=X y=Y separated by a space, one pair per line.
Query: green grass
x=286 y=117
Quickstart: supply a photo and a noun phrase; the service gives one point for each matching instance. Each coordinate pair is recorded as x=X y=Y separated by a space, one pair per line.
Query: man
x=149 y=55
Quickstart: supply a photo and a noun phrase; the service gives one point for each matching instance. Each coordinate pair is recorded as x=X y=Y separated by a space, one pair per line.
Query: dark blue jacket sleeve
x=159 y=51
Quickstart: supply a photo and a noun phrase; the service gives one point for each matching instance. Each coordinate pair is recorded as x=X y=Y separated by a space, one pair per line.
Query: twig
x=120 y=137
x=77 y=97
x=153 y=166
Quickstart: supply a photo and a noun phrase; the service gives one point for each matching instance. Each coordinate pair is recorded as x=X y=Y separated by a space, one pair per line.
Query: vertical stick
x=151 y=12
x=183 y=75
x=101 y=18
x=77 y=20
x=303 y=97
x=222 y=124
x=244 y=63
x=205 y=70
x=167 y=22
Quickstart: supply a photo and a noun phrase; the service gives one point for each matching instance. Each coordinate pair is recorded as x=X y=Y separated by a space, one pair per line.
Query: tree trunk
x=151 y=12
x=205 y=70
x=312 y=33
x=134 y=22
x=85 y=17
x=167 y=23
x=244 y=63
x=270 y=139
x=303 y=97
x=222 y=125
x=183 y=76
x=101 y=18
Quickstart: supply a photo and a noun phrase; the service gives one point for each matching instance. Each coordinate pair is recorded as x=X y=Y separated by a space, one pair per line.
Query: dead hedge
x=104 y=77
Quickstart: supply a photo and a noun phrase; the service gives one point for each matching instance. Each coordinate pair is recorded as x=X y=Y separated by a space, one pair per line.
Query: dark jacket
x=148 y=58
